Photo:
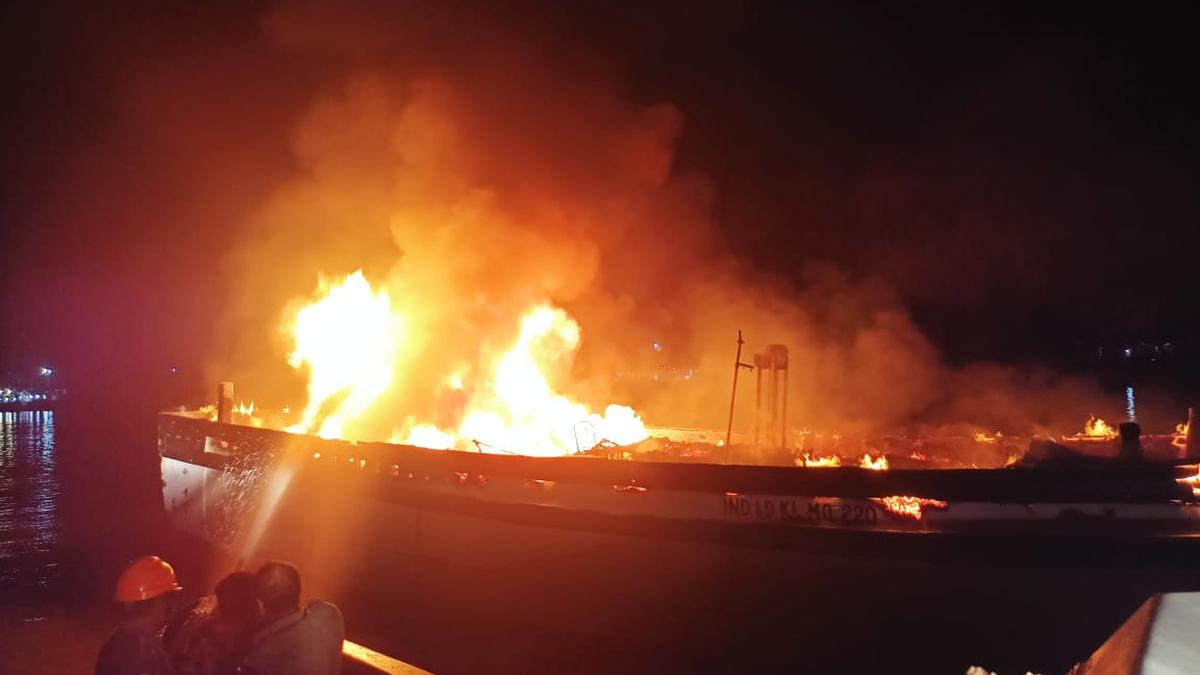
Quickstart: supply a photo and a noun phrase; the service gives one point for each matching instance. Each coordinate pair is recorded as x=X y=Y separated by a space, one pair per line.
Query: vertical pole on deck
x=773 y=403
x=1191 y=444
x=225 y=402
x=757 y=400
x=737 y=365
x=783 y=413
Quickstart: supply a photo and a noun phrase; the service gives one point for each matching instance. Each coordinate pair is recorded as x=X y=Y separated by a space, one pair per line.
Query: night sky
x=1021 y=176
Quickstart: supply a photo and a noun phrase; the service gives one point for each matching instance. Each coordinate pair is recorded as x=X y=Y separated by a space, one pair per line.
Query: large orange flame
x=517 y=410
x=349 y=339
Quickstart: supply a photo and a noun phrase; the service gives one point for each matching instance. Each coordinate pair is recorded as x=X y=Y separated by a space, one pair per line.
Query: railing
x=360 y=660
x=1106 y=482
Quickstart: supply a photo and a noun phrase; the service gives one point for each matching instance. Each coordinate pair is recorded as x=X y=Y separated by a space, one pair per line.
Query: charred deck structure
x=673 y=565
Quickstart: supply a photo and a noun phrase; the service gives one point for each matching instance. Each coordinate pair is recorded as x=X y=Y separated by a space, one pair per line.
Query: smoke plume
x=475 y=168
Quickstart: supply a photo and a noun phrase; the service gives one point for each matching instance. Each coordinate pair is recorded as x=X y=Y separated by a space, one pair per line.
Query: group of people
x=254 y=624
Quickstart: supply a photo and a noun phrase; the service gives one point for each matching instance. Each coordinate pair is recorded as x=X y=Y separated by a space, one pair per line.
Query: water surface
x=29 y=496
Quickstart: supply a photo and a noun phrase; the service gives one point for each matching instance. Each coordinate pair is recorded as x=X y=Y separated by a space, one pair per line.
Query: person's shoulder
x=324 y=607
x=113 y=652
x=189 y=618
x=325 y=614
x=121 y=643
x=126 y=650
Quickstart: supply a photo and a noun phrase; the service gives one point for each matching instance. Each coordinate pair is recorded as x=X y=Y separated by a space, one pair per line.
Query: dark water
x=29 y=497
x=79 y=497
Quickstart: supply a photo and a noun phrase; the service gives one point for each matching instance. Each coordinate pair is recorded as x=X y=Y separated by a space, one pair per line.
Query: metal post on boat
x=773 y=397
x=737 y=366
x=761 y=363
x=778 y=355
x=783 y=412
x=1131 y=441
x=1191 y=445
x=225 y=402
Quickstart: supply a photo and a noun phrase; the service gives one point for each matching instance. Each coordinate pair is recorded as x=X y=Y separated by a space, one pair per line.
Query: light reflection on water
x=29 y=492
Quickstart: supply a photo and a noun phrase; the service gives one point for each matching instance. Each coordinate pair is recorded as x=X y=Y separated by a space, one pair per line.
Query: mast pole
x=737 y=365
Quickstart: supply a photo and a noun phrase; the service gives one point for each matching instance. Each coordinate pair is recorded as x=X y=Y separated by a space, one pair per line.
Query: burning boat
x=604 y=530
x=462 y=537
x=1104 y=500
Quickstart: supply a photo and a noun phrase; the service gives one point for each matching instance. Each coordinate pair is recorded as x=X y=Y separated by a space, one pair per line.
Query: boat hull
x=538 y=572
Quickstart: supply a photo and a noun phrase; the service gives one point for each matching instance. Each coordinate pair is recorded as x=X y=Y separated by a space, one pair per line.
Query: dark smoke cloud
x=179 y=176
x=476 y=167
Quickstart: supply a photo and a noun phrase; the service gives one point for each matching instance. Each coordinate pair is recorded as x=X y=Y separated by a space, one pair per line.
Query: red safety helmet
x=147 y=577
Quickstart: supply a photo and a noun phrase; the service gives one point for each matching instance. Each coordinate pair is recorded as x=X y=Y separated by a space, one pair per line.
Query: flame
x=1095 y=429
x=518 y=410
x=1179 y=438
x=814 y=461
x=880 y=464
x=909 y=507
x=1098 y=428
x=1192 y=482
x=984 y=437
x=348 y=339
x=426 y=436
x=247 y=411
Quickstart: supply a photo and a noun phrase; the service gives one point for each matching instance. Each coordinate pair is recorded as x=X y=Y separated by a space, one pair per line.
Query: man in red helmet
x=135 y=648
